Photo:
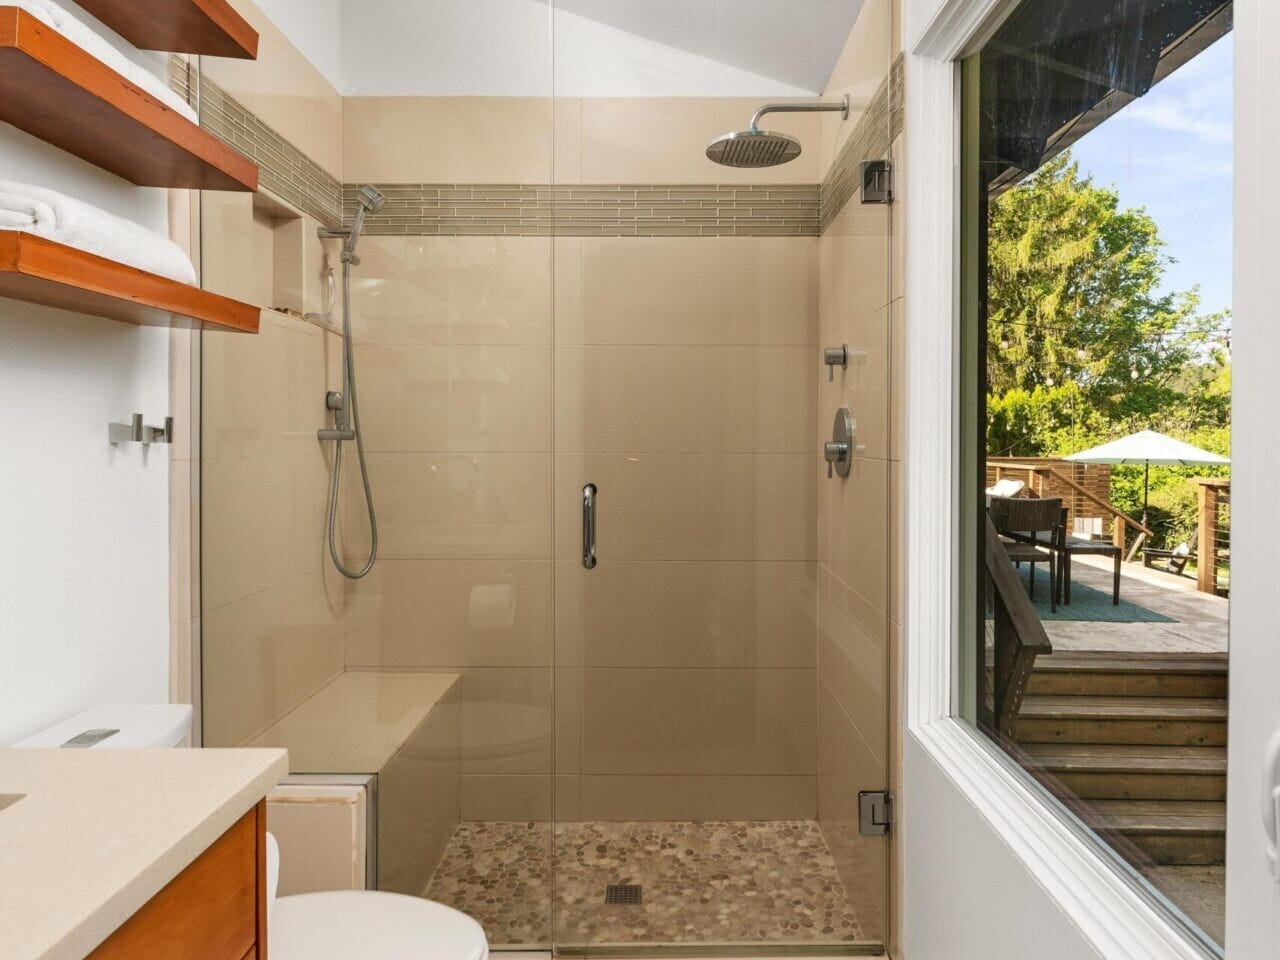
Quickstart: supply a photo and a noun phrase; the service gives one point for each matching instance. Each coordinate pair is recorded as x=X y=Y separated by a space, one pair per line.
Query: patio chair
x=1067 y=546
x=1031 y=529
x=1175 y=559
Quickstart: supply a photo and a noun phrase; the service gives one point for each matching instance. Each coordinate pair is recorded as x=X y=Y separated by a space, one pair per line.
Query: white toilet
x=341 y=925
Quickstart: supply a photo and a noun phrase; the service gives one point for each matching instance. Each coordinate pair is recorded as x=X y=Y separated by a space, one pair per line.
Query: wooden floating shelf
x=41 y=271
x=210 y=27
x=56 y=91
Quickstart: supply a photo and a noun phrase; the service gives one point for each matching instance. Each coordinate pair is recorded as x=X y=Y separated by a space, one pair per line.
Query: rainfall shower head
x=754 y=147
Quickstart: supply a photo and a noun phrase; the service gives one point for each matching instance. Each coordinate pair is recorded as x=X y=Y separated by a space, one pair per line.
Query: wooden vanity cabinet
x=216 y=909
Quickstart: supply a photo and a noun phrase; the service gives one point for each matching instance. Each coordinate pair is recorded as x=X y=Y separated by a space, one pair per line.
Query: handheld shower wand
x=369 y=201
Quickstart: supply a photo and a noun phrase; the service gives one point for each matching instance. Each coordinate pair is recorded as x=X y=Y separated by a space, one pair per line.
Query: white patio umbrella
x=1147 y=447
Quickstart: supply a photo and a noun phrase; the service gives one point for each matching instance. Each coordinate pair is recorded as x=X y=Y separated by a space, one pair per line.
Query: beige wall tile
x=456 y=506
x=863 y=385
x=853 y=658
x=446 y=397
x=263 y=518
x=730 y=290
x=567 y=698
x=264 y=395
x=846 y=766
x=285 y=90
x=694 y=506
x=698 y=614
x=264 y=654
x=897 y=380
x=477 y=290
x=669 y=721
x=507 y=797
x=898 y=217
x=448 y=139
x=897 y=543
x=853 y=276
x=379 y=291
x=854 y=528
x=698 y=798
x=418 y=795
x=677 y=131
x=506 y=726
x=450 y=613
x=689 y=399
x=237 y=244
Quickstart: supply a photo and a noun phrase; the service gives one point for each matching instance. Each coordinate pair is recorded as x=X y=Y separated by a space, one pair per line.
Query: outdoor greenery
x=1083 y=346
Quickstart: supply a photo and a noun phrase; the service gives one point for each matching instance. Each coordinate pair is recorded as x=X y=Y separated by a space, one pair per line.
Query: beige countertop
x=95 y=834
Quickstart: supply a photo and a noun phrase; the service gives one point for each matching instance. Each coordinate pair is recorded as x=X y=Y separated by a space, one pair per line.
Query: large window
x=1094 y=424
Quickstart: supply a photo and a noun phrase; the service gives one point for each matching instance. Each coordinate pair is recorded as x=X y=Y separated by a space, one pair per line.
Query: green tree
x=1074 y=296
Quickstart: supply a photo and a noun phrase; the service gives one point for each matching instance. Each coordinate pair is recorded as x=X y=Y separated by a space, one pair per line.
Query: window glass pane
x=1094 y=420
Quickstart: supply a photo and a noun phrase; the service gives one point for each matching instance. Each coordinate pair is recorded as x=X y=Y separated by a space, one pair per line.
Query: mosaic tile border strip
x=585 y=210
x=283 y=169
x=592 y=210
x=878 y=127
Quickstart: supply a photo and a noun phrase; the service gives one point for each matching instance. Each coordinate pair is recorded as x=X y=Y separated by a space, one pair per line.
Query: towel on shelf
x=63 y=219
x=92 y=43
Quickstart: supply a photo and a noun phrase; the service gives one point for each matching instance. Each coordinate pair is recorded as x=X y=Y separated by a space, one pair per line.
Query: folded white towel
x=79 y=33
x=63 y=219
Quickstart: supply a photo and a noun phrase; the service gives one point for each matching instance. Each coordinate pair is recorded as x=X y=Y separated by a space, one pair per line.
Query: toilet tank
x=116 y=726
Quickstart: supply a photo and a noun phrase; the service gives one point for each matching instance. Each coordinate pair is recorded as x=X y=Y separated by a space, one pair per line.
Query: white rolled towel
x=86 y=39
x=63 y=219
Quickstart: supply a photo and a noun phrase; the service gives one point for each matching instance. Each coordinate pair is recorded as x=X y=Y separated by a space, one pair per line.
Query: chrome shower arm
x=801 y=106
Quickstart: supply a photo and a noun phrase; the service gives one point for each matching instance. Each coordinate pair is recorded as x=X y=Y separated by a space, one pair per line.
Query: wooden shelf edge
x=54 y=90
x=209 y=27
x=38 y=270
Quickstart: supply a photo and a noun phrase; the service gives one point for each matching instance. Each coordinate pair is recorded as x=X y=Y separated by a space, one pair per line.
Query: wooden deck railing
x=1213 y=525
x=1019 y=638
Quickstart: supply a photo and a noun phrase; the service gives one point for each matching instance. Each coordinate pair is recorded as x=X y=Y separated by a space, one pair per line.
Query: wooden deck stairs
x=1136 y=744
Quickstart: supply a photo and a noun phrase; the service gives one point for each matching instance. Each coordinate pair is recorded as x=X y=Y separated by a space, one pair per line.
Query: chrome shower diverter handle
x=589 y=526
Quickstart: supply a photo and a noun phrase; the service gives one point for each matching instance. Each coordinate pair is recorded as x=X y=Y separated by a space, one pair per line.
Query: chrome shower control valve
x=838 y=451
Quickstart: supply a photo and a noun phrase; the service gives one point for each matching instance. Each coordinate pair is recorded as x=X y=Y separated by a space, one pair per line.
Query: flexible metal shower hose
x=349 y=388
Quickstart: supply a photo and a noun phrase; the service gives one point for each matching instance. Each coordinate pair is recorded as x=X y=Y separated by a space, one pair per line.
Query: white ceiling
x=601 y=47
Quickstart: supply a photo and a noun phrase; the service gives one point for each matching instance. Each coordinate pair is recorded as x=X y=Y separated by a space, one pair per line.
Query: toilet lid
x=365 y=925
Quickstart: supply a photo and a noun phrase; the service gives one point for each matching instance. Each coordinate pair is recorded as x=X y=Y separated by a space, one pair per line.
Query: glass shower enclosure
x=621 y=668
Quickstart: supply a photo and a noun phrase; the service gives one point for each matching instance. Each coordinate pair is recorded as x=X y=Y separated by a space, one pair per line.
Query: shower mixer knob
x=838 y=451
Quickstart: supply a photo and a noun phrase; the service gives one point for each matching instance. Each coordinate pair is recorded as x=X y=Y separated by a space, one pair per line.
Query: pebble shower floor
x=721 y=882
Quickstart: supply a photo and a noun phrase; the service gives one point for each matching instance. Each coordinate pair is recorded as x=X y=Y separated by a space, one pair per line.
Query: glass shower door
x=722 y=608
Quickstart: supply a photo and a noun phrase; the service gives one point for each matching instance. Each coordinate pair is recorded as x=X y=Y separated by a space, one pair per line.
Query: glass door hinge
x=875 y=813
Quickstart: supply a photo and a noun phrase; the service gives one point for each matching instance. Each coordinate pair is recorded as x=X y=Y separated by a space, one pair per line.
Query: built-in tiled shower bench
x=402 y=726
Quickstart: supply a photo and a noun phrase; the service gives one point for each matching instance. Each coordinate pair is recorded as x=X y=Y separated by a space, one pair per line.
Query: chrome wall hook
x=135 y=431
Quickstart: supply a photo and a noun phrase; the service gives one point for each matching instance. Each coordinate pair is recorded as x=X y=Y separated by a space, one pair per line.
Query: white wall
x=84 y=552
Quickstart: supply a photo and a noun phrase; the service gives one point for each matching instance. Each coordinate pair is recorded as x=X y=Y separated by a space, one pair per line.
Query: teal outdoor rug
x=1088 y=603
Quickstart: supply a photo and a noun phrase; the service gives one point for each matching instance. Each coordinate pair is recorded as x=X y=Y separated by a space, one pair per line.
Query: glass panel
x=433 y=671
x=722 y=670
x=1095 y=424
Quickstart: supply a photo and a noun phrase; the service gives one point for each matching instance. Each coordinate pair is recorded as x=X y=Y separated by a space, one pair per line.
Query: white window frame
x=1116 y=919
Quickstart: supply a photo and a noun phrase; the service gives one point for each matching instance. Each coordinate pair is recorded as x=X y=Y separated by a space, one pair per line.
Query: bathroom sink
x=9 y=799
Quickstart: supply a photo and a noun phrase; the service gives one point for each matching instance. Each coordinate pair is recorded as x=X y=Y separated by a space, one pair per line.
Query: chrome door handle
x=589 y=526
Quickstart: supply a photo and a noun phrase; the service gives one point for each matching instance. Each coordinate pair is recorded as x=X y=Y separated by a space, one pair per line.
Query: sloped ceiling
x=601 y=47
